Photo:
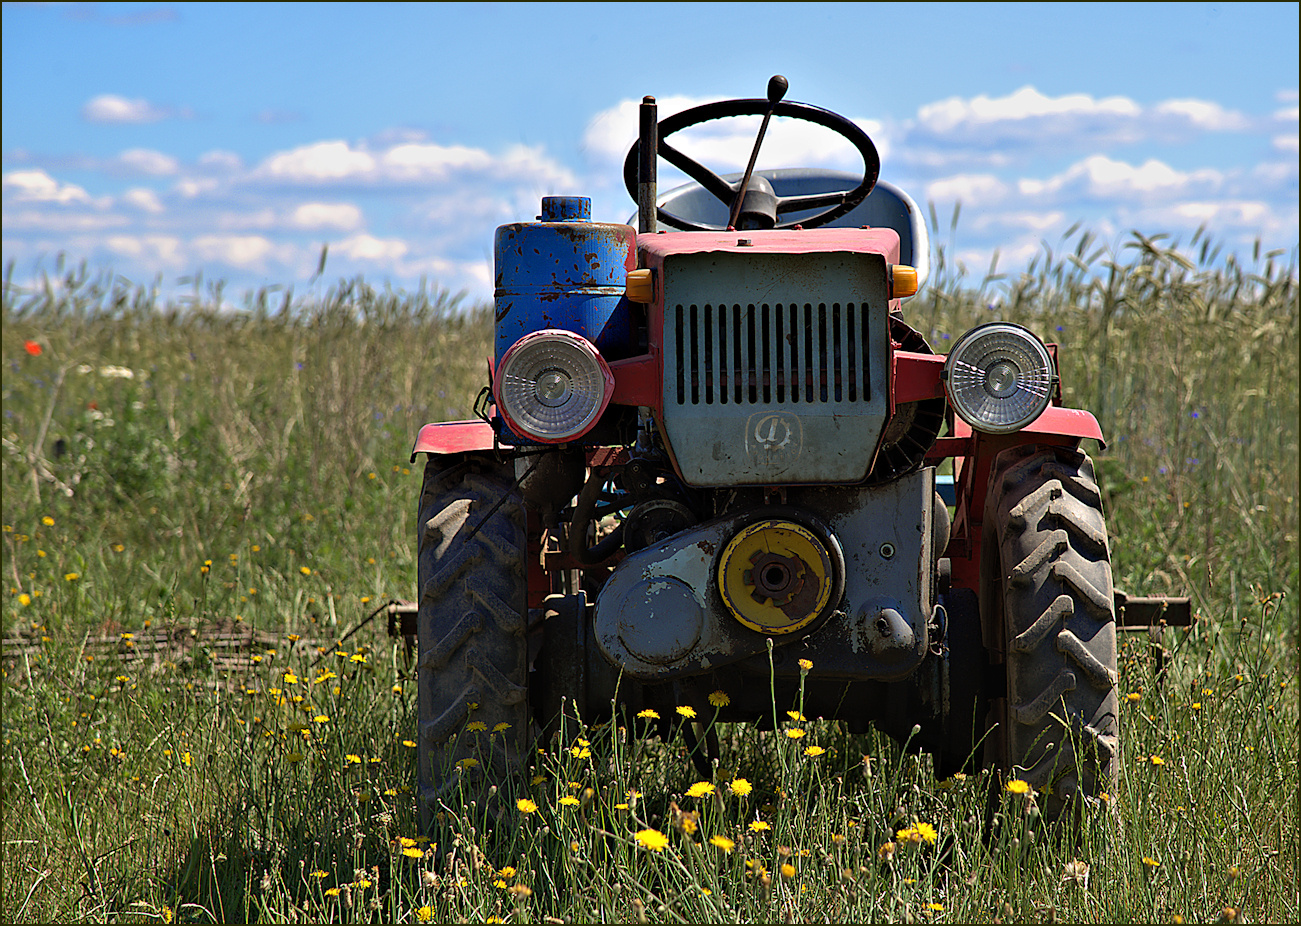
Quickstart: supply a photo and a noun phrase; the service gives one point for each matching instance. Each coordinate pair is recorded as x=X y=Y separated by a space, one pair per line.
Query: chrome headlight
x=552 y=386
x=999 y=377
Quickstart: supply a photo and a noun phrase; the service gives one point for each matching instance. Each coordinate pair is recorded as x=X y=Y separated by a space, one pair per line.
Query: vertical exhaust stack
x=648 y=148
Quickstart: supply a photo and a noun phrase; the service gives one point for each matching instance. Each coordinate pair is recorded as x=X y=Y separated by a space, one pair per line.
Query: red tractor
x=710 y=458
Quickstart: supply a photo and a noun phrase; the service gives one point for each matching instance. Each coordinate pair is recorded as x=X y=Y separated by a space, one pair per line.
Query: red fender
x=454 y=437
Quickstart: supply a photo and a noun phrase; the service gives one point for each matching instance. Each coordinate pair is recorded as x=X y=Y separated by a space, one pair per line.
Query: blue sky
x=237 y=139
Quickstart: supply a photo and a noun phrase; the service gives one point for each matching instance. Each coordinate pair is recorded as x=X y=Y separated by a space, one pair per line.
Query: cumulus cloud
x=410 y=163
x=39 y=187
x=957 y=114
x=221 y=160
x=339 y=216
x=145 y=161
x=111 y=108
x=1102 y=177
x=144 y=199
x=1026 y=122
x=970 y=189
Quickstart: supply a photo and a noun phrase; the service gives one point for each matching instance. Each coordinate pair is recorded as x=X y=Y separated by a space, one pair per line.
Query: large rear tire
x=1046 y=586
x=473 y=663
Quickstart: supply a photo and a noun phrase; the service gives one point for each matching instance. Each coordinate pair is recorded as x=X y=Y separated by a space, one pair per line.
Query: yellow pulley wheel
x=775 y=576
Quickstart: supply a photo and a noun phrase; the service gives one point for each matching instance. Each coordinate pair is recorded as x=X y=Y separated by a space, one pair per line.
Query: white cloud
x=369 y=248
x=322 y=161
x=948 y=116
x=412 y=163
x=145 y=161
x=143 y=199
x=244 y=251
x=150 y=250
x=38 y=186
x=109 y=107
x=970 y=189
x=1101 y=177
x=1286 y=143
x=341 y=216
x=221 y=160
x=1205 y=115
x=1236 y=212
x=428 y=162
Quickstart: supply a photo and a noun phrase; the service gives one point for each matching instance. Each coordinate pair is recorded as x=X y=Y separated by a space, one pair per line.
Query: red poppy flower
x=33 y=348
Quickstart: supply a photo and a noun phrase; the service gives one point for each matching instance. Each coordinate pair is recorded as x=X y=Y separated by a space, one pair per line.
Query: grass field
x=199 y=505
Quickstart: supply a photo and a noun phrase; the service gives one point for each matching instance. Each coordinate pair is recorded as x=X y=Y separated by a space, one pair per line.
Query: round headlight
x=552 y=386
x=999 y=377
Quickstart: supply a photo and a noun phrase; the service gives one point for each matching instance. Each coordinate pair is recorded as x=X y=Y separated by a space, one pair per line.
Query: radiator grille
x=780 y=353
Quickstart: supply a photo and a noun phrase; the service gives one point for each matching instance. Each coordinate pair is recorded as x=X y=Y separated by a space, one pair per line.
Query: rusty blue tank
x=565 y=271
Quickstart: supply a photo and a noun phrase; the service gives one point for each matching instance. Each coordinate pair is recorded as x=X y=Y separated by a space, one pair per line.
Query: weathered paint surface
x=564 y=272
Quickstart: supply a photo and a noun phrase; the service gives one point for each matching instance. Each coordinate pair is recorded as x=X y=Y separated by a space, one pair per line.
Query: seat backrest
x=886 y=206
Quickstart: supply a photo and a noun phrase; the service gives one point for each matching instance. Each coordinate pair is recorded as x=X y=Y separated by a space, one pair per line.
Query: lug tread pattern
x=1055 y=615
x=473 y=663
x=1051 y=590
x=1098 y=675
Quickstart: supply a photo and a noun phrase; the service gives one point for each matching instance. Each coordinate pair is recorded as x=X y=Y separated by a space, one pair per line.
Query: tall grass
x=251 y=477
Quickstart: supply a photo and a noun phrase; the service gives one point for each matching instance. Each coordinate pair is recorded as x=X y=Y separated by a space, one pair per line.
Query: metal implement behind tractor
x=717 y=435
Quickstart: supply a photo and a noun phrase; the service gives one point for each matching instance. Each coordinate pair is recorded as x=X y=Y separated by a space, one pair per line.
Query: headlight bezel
x=999 y=377
x=581 y=386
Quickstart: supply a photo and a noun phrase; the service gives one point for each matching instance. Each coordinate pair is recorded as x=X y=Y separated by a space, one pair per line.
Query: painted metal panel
x=564 y=272
x=776 y=364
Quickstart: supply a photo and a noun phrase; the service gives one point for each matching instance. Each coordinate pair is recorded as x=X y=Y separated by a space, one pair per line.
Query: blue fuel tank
x=568 y=272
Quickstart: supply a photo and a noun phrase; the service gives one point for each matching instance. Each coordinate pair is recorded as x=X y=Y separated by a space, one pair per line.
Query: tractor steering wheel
x=838 y=203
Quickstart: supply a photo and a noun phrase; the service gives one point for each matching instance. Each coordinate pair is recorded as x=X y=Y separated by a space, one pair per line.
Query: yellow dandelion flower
x=569 y=801
x=935 y=907
x=719 y=698
x=501 y=727
x=413 y=852
x=1016 y=786
x=758 y=826
x=648 y=714
x=526 y=806
x=740 y=787
x=410 y=744
x=71 y=576
x=700 y=789
x=1133 y=696
x=814 y=751
x=187 y=758
x=722 y=842
x=927 y=832
x=467 y=762
x=353 y=758
x=653 y=840
x=321 y=718
x=686 y=711
x=424 y=914
x=795 y=734
x=319 y=874
x=507 y=872
x=24 y=599
x=788 y=870
x=1151 y=863
x=805 y=665
x=1156 y=760
x=332 y=892
x=47 y=521
x=477 y=726
x=305 y=570
x=796 y=715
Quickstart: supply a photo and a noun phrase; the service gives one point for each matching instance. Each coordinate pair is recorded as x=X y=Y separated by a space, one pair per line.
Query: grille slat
x=771 y=353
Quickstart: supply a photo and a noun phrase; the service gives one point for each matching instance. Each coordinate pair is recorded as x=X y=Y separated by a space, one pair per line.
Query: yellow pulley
x=775 y=576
